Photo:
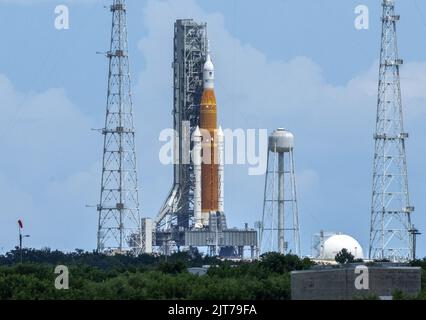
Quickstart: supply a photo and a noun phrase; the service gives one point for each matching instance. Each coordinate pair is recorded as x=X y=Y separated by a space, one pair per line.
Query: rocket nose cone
x=208 y=65
x=197 y=132
x=220 y=131
x=208 y=73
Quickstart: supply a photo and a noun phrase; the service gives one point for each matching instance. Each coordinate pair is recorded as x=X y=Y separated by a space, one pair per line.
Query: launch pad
x=193 y=214
x=228 y=243
x=218 y=240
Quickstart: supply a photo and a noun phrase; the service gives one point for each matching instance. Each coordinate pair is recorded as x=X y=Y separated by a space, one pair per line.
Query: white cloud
x=308 y=180
x=38 y=2
x=47 y=176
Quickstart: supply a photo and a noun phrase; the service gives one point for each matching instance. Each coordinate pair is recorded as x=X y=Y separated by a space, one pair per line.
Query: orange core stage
x=209 y=176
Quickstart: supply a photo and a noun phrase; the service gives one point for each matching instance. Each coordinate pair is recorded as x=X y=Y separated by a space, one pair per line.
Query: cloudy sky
x=299 y=64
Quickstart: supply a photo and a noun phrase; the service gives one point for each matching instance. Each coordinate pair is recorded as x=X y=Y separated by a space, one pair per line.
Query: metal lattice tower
x=390 y=206
x=279 y=229
x=119 y=226
x=190 y=49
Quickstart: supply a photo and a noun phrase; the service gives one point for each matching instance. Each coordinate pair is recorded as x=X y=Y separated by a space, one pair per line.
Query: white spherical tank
x=336 y=243
x=281 y=140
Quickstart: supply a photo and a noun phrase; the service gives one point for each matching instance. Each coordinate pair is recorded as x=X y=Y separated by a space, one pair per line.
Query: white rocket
x=221 y=169
x=209 y=173
x=197 y=172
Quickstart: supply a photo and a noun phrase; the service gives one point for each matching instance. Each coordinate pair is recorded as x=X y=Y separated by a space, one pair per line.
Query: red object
x=21 y=225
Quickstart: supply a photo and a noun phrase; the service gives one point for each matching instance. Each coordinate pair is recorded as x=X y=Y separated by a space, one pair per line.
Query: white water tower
x=280 y=219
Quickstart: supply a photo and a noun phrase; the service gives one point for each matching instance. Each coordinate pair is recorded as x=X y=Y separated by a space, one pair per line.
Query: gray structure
x=340 y=282
x=198 y=271
x=119 y=225
x=190 y=51
x=228 y=243
x=391 y=210
x=174 y=225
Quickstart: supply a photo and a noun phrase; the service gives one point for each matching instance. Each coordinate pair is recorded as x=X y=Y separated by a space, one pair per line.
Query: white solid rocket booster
x=221 y=171
x=197 y=173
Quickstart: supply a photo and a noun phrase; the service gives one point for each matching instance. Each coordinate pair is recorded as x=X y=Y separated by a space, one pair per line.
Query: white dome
x=336 y=243
x=281 y=140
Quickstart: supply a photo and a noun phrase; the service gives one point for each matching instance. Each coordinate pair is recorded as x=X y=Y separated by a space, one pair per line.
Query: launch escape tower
x=279 y=229
x=119 y=225
x=190 y=50
x=390 y=207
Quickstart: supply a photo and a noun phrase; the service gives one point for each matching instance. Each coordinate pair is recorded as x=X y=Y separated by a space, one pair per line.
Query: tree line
x=97 y=276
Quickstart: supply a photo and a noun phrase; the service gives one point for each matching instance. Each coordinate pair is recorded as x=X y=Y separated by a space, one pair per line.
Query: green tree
x=344 y=256
x=172 y=267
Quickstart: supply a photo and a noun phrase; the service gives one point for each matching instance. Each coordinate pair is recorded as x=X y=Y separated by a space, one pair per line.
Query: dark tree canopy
x=97 y=276
x=344 y=256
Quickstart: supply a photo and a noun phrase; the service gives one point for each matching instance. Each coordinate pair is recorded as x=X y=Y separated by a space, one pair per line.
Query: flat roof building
x=355 y=281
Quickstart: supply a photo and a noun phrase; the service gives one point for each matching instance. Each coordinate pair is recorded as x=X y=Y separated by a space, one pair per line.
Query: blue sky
x=298 y=64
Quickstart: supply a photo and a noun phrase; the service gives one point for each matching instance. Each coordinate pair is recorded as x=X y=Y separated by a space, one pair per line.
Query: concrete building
x=198 y=271
x=353 y=281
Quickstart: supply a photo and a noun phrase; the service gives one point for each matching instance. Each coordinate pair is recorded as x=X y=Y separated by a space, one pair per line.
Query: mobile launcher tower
x=193 y=213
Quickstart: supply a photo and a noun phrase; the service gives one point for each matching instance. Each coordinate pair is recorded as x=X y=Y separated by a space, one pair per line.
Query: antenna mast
x=119 y=225
x=390 y=207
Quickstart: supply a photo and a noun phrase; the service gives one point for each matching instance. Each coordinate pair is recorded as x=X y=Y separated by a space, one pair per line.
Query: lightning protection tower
x=390 y=207
x=119 y=226
x=279 y=230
